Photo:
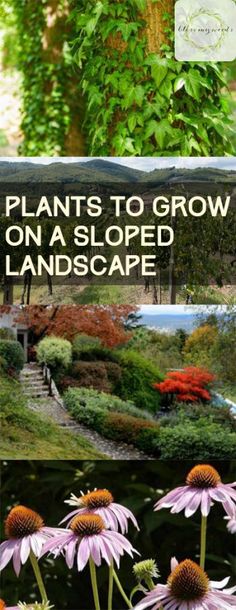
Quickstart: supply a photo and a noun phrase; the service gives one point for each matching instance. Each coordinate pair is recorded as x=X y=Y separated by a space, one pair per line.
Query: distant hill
x=102 y=171
x=168 y=322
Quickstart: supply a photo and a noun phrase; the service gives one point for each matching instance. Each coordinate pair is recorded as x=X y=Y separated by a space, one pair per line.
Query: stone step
x=35 y=382
x=27 y=376
x=35 y=392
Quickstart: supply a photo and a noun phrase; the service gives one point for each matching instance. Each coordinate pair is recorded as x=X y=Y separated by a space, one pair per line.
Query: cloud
x=143 y=163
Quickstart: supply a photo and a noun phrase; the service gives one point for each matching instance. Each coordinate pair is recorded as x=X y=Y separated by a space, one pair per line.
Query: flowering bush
x=189 y=385
x=93 y=537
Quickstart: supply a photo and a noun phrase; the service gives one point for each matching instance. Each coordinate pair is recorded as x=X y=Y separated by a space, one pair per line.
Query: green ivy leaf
x=159 y=72
x=141 y=4
x=179 y=83
x=132 y=122
x=193 y=83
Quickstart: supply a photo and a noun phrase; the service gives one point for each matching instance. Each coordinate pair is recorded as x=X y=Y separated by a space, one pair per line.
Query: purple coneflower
x=87 y=538
x=231 y=525
x=101 y=502
x=189 y=588
x=26 y=533
x=203 y=488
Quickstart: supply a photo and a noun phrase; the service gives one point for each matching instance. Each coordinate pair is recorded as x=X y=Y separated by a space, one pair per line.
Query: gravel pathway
x=112 y=449
x=56 y=411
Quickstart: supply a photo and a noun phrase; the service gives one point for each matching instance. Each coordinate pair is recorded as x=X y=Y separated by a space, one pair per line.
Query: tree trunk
x=155 y=27
x=7 y=291
x=172 y=278
x=57 y=31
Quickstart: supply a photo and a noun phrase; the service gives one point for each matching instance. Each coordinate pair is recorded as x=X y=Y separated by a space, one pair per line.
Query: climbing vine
x=46 y=112
x=140 y=102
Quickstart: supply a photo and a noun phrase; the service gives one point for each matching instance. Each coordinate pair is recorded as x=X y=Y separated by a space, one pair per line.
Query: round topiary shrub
x=55 y=352
x=12 y=354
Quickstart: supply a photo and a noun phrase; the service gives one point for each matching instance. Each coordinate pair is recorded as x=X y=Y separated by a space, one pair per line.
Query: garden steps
x=40 y=402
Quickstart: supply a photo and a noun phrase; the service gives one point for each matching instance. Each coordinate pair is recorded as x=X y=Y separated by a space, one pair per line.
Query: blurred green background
x=44 y=485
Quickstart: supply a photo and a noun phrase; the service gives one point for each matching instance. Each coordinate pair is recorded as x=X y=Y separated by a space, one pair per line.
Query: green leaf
x=141 y=4
x=139 y=95
x=161 y=130
x=132 y=122
x=150 y=128
x=166 y=87
x=179 y=83
x=193 y=83
x=158 y=73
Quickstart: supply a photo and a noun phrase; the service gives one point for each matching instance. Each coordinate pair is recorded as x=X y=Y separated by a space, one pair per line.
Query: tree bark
x=57 y=31
x=155 y=25
x=7 y=291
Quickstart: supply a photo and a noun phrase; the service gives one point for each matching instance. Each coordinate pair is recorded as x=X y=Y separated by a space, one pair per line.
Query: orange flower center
x=21 y=522
x=97 y=499
x=188 y=582
x=87 y=525
x=2 y=604
x=203 y=476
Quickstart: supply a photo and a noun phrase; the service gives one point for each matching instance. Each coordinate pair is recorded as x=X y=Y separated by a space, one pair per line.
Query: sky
x=180 y=309
x=142 y=163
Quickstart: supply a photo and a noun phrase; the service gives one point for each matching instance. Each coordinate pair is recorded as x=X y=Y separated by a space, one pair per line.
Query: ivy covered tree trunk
x=154 y=23
x=139 y=99
x=52 y=114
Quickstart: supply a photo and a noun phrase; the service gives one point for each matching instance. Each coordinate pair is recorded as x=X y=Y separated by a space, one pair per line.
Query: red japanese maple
x=105 y=322
x=189 y=385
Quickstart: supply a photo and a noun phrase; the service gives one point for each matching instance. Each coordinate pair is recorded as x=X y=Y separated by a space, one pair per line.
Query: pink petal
x=173 y=563
x=74 y=512
x=16 y=557
x=83 y=554
x=70 y=553
x=205 y=503
x=25 y=549
x=193 y=505
x=219 y=584
x=7 y=549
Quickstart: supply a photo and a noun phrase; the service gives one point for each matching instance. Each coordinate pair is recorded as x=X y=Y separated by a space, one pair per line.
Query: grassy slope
x=25 y=434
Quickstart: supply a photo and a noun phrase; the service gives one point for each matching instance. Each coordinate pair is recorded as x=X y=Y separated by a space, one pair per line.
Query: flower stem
x=110 y=588
x=119 y=585
x=94 y=584
x=149 y=583
x=38 y=577
x=203 y=542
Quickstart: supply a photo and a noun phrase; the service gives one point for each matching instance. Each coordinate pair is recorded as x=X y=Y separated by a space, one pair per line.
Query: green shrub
x=137 y=379
x=219 y=415
x=147 y=440
x=55 y=352
x=83 y=344
x=3 y=364
x=99 y=400
x=201 y=442
x=7 y=334
x=93 y=418
x=12 y=354
x=101 y=353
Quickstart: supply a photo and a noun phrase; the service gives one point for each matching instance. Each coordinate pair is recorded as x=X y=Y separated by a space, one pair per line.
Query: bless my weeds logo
x=205 y=30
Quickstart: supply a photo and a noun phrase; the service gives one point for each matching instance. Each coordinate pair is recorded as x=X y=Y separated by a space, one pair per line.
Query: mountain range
x=102 y=171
